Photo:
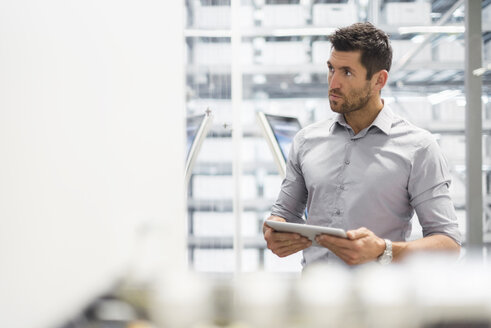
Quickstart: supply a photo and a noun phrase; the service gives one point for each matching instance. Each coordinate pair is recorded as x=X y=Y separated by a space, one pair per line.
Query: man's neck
x=362 y=118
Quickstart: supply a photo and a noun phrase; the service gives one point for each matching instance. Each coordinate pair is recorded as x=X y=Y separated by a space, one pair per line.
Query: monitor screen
x=284 y=129
x=192 y=126
x=279 y=132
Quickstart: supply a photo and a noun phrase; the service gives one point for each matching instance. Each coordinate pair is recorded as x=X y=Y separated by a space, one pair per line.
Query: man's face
x=349 y=90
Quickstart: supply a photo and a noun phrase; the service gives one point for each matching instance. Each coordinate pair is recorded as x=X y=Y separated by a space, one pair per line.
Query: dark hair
x=376 y=52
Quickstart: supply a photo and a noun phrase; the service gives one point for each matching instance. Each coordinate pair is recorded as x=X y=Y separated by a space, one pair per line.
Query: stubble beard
x=355 y=100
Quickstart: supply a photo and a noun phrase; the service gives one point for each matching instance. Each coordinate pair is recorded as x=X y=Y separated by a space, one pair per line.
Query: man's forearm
x=430 y=243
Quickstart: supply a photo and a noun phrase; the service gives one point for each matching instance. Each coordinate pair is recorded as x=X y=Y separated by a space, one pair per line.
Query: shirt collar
x=383 y=121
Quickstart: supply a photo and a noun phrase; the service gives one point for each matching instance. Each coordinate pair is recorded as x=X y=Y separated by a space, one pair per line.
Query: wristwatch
x=386 y=257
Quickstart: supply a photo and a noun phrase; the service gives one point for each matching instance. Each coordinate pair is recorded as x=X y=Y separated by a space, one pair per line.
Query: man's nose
x=333 y=81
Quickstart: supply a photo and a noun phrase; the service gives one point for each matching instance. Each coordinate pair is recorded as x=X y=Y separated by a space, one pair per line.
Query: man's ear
x=381 y=78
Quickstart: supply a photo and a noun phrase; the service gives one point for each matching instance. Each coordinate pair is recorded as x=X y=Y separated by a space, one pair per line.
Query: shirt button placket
x=347 y=161
x=347 y=155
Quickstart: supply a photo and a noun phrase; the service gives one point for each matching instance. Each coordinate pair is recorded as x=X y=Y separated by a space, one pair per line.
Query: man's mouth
x=333 y=96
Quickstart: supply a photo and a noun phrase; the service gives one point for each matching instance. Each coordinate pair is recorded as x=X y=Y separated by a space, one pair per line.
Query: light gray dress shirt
x=375 y=179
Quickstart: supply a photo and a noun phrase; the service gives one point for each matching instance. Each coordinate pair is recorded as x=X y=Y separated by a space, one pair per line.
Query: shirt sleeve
x=292 y=198
x=429 y=194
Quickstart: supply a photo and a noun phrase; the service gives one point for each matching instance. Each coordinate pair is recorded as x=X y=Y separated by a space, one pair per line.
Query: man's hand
x=283 y=243
x=361 y=246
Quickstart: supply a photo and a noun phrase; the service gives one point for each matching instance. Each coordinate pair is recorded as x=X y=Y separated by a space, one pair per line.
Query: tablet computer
x=306 y=230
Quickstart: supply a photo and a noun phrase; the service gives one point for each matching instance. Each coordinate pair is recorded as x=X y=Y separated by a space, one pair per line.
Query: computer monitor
x=279 y=132
x=197 y=128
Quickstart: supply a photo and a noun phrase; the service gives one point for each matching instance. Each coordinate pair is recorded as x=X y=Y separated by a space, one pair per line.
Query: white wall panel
x=91 y=114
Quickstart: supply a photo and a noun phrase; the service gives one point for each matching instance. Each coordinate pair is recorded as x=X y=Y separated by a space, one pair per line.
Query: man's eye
x=348 y=73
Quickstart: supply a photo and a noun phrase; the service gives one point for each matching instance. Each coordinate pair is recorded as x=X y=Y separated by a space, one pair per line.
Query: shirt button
x=338 y=212
x=346 y=162
x=341 y=187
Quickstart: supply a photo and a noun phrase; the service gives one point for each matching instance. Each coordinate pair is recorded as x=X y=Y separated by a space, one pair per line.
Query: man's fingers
x=284 y=243
x=291 y=243
x=273 y=236
x=358 y=233
x=268 y=233
x=292 y=247
x=282 y=236
x=342 y=247
x=331 y=241
x=271 y=218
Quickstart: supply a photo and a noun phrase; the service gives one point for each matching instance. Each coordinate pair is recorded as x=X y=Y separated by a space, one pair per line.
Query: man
x=365 y=171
